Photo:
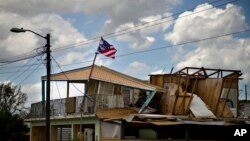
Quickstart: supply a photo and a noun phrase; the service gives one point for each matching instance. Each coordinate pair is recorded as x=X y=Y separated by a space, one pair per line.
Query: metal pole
x=86 y=89
x=246 y=91
x=93 y=65
x=47 y=133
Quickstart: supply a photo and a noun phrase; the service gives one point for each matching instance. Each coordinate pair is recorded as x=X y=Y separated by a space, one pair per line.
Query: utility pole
x=48 y=66
x=246 y=91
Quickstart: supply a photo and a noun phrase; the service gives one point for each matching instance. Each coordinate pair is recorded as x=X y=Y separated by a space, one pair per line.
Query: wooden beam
x=185 y=93
x=204 y=71
x=226 y=98
x=192 y=94
x=176 y=96
x=218 y=102
x=211 y=74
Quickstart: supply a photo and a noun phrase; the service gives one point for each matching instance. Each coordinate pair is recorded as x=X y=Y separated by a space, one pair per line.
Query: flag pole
x=86 y=90
x=92 y=67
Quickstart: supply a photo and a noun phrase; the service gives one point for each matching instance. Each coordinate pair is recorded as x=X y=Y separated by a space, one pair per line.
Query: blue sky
x=154 y=24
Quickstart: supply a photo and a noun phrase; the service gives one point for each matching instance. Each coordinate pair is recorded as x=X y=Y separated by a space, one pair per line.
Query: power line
x=56 y=82
x=18 y=70
x=29 y=74
x=65 y=74
x=24 y=71
x=128 y=30
x=139 y=27
x=21 y=57
x=149 y=50
x=23 y=66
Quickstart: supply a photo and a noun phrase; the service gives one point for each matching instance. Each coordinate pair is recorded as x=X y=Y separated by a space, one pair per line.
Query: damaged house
x=200 y=92
x=119 y=107
x=73 y=119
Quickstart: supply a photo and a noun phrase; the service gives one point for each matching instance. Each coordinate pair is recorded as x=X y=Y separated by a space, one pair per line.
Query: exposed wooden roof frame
x=186 y=70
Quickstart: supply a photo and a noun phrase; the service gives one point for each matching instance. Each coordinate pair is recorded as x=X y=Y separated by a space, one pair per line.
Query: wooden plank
x=53 y=135
x=227 y=83
x=226 y=97
x=184 y=108
x=192 y=93
x=76 y=130
x=179 y=105
x=159 y=81
x=115 y=112
x=213 y=91
x=70 y=105
x=200 y=89
x=170 y=104
x=117 y=90
x=179 y=82
x=226 y=113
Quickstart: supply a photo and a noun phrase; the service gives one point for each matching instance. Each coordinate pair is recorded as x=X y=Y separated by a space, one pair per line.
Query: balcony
x=72 y=106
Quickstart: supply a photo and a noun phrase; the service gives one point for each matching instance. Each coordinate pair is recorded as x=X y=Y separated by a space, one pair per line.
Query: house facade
x=118 y=107
x=73 y=119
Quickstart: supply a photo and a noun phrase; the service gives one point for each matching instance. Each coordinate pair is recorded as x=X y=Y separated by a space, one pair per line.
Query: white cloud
x=158 y=72
x=118 y=13
x=107 y=22
x=103 y=61
x=62 y=33
x=71 y=57
x=207 y=23
x=141 y=35
x=34 y=93
x=121 y=12
x=126 y=14
x=31 y=7
x=136 y=67
x=225 y=52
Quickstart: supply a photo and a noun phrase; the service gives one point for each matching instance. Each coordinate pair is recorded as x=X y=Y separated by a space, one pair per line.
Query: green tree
x=12 y=101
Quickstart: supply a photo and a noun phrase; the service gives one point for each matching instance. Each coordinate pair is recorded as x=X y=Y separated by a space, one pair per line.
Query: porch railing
x=59 y=107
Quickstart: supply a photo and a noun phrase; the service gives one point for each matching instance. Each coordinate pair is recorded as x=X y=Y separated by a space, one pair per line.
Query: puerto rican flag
x=106 y=49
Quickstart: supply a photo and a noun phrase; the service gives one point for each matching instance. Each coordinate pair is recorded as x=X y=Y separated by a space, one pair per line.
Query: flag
x=106 y=49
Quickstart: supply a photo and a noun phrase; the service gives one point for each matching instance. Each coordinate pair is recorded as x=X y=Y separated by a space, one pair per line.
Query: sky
x=149 y=36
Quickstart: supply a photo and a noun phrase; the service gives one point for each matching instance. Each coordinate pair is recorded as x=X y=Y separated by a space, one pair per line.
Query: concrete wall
x=38 y=127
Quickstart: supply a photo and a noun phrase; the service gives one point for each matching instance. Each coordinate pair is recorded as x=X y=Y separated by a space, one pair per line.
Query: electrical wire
x=22 y=72
x=52 y=68
x=15 y=67
x=65 y=74
x=128 y=30
x=20 y=57
x=163 y=47
x=139 y=27
x=18 y=70
x=20 y=83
